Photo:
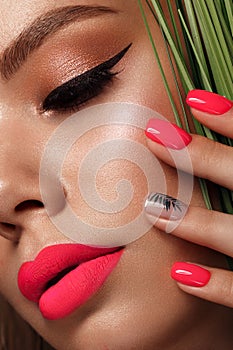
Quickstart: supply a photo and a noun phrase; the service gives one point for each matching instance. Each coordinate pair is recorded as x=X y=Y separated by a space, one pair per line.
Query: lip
x=64 y=276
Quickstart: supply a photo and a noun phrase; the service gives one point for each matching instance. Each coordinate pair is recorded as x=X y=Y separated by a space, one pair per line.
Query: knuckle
x=227 y=291
x=210 y=156
x=205 y=156
x=213 y=156
x=206 y=224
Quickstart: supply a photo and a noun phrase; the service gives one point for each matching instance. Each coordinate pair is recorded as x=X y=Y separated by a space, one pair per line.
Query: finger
x=195 y=224
x=212 y=110
x=212 y=284
x=208 y=159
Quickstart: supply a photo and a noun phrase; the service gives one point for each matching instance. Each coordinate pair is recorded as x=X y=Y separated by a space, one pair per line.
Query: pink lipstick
x=63 y=277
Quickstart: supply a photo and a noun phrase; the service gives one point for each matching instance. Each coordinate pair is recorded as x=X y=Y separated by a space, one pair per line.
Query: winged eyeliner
x=85 y=86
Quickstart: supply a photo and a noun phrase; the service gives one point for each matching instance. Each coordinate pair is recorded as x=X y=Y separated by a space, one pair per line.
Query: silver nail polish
x=165 y=207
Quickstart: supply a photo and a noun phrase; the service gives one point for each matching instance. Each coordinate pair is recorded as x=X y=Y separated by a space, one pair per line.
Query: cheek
x=105 y=177
x=8 y=272
x=6 y=252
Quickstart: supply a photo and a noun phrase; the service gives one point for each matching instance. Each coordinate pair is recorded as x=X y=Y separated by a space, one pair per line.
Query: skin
x=139 y=307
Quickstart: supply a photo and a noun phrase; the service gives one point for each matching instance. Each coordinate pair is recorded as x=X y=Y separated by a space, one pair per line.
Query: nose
x=20 y=199
x=20 y=202
x=17 y=196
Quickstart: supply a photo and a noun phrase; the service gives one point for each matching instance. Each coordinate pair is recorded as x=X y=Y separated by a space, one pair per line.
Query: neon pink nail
x=190 y=274
x=167 y=134
x=208 y=102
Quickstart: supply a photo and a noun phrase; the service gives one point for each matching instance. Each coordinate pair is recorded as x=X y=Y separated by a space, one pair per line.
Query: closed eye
x=84 y=87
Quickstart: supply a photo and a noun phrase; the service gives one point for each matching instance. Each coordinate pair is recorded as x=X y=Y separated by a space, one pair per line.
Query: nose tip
x=18 y=196
x=12 y=231
x=17 y=204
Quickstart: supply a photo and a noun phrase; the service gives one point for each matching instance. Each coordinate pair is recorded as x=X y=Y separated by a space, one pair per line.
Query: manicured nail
x=167 y=134
x=208 y=102
x=190 y=274
x=165 y=207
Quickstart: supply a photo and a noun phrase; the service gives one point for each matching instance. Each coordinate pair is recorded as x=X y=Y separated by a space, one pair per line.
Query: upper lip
x=34 y=276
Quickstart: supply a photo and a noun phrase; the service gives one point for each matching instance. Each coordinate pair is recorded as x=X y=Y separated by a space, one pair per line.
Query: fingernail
x=190 y=274
x=208 y=102
x=167 y=134
x=165 y=207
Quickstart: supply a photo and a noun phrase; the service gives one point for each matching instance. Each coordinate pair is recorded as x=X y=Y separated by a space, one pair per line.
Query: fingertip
x=190 y=274
x=208 y=102
x=167 y=134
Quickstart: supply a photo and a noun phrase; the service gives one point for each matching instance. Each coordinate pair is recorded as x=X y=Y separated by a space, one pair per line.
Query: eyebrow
x=40 y=29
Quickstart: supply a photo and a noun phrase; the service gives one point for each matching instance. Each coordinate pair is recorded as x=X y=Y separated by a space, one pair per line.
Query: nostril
x=7 y=226
x=29 y=204
x=10 y=231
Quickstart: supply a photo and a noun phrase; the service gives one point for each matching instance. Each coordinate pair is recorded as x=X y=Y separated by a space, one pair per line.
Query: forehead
x=16 y=15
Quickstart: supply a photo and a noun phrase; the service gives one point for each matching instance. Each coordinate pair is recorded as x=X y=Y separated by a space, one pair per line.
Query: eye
x=84 y=87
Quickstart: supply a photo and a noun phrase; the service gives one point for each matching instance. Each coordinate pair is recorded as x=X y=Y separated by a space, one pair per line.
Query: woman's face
x=138 y=306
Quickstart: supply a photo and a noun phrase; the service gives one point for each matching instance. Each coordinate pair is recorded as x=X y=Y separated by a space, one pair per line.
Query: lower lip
x=75 y=288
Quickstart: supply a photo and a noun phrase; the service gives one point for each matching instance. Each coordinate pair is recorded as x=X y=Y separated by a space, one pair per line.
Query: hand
x=213 y=161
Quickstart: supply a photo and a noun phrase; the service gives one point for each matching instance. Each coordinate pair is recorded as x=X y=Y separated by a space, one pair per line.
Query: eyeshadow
x=83 y=87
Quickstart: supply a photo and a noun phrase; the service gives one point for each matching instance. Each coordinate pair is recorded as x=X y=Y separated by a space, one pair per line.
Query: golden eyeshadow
x=65 y=56
x=83 y=87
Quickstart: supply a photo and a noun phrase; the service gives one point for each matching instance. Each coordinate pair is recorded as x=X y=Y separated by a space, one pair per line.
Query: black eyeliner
x=82 y=88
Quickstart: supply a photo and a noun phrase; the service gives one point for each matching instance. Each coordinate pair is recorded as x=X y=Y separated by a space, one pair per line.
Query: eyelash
x=79 y=90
